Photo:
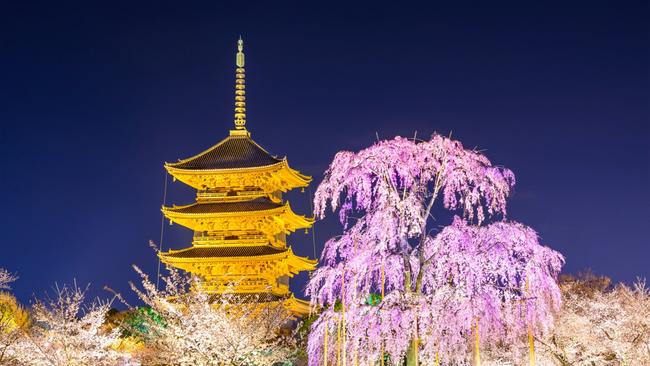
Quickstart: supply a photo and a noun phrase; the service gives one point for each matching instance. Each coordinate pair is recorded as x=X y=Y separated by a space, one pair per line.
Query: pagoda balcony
x=236 y=195
x=200 y=239
x=243 y=286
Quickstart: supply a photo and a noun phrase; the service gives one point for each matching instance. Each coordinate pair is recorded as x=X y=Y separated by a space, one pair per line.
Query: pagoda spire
x=240 y=92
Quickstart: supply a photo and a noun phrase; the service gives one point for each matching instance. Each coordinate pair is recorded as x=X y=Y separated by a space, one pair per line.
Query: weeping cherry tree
x=393 y=286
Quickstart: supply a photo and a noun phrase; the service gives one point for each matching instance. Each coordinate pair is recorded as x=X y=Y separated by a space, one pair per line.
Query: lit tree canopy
x=405 y=177
x=598 y=324
x=192 y=327
x=67 y=332
x=13 y=319
x=438 y=286
x=601 y=326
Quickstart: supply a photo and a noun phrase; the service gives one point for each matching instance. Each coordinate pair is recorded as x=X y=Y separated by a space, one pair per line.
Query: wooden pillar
x=325 y=336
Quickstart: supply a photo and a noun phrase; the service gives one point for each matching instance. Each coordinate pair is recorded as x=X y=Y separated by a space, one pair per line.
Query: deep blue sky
x=95 y=96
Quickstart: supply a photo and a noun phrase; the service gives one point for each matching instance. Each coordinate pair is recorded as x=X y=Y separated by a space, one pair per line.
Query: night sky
x=95 y=96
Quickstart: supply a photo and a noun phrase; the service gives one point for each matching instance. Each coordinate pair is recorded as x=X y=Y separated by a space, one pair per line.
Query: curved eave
x=262 y=258
x=284 y=213
x=296 y=262
x=293 y=177
x=298 y=221
x=172 y=212
x=217 y=145
x=301 y=263
x=193 y=157
x=297 y=306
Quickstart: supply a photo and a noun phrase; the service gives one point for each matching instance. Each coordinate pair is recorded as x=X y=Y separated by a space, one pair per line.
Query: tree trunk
x=412 y=353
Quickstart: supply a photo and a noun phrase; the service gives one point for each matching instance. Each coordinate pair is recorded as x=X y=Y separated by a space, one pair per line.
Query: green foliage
x=373 y=299
x=139 y=323
x=338 y=306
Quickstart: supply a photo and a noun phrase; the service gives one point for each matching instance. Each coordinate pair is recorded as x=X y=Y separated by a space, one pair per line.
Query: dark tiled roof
x=258 y=204
x=212 y=252
x=233 y=152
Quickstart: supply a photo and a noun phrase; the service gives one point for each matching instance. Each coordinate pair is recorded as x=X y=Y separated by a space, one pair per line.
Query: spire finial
x=240 y=53
x=240 y=91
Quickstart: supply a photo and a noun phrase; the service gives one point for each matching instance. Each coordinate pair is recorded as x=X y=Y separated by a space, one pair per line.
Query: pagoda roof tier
x=237 y=162
x=251 y=273
x=203 y=255
x=225 y=252
x=259 y=215
x=270 y=178
x=258 y=204
x=230 y=153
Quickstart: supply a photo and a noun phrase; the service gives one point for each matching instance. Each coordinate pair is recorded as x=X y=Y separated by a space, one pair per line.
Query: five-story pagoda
x=239 y=219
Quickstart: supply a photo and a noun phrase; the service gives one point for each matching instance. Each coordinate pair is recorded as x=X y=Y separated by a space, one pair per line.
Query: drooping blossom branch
x=5 y=279
x=407 y=176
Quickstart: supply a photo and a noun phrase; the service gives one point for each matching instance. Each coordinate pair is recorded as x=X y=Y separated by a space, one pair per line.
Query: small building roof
x=233 y=152
x=252 y=297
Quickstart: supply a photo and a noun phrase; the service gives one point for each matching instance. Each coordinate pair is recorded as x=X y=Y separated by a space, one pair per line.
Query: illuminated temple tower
x=239 y=219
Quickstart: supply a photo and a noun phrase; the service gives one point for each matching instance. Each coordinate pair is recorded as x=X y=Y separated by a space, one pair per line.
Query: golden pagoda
x=239 y=219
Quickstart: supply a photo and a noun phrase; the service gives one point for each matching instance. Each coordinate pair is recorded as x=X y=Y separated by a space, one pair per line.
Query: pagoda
x=239 y=218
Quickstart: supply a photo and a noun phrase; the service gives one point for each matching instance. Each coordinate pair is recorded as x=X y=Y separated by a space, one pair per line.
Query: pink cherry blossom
x=437 y=286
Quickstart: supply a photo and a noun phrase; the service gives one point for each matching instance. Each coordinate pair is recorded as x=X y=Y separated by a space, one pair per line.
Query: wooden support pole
x=343 y=332
x=477 y=351
x=338 y=344
x=531 y=344
x=325 y=336
x=531 y=338
x=416 y=342
x=383 y=284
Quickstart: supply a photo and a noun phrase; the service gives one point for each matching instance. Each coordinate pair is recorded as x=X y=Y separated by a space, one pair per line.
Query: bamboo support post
x=325 y=336
x=416 y=342
x=531 y=344
x=338 y=344
x=383 y=283
x=531 y=338
x=343 y=332
x=477 y=351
